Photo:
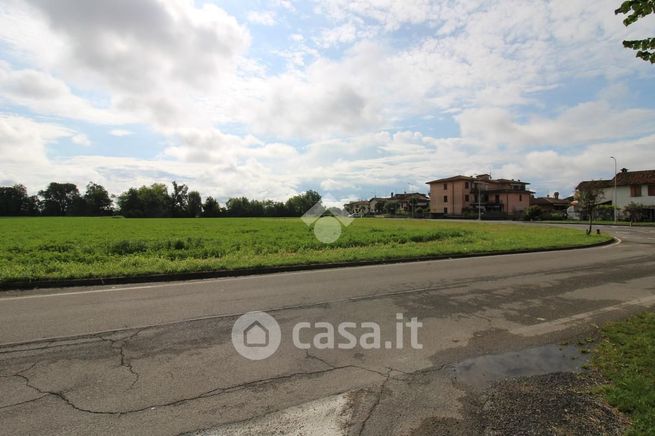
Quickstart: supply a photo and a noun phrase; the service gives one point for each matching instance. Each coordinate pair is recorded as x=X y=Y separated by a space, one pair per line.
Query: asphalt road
x=158 y=359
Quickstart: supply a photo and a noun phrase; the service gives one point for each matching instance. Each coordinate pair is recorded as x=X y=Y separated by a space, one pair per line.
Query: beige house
x=361 y=207
x=461 y=195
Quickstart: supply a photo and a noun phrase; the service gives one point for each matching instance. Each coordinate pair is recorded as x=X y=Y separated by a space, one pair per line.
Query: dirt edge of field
x=199 y=275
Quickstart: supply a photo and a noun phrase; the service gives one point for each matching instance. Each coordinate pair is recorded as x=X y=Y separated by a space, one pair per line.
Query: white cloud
x=48 y=95
x=265 y=18
x=81 y=139
x=157 y=60
x=23 y=140
x=390 y=13
x=582 y=124
x=347 y=96
x=346 y=33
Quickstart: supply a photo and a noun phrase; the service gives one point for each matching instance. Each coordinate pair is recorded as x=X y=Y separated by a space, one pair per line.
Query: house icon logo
x=327 y=223
x=256 y=335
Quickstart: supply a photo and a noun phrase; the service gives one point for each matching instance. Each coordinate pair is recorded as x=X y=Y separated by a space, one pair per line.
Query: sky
x=352 y=98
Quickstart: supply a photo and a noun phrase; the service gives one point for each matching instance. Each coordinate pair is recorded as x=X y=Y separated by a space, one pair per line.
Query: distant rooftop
x=623 y=178
x=484 y=177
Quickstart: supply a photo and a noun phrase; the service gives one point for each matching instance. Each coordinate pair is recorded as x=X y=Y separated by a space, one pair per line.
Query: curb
x=199 y=275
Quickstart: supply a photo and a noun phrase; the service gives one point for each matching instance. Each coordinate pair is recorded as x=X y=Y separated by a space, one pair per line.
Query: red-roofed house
x=454 y=196
x=631 y=187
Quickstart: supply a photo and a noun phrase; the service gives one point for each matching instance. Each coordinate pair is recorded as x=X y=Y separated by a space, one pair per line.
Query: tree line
x=154 y=201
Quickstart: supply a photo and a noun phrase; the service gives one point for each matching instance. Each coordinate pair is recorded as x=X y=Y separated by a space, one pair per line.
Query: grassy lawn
x=626 y=357
x=52 y=248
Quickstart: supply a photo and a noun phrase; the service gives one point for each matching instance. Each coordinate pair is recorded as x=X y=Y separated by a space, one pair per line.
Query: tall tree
x=155 y=200
x=179 y=200
x=636 y=9
x=211 y=208
x=97 y=200
x=129 y=204
x=59 y=198
x=146 y=202
x=194 y=204
x=12 y=199
x=238 y=207
x=31 y=206
x=299 y=204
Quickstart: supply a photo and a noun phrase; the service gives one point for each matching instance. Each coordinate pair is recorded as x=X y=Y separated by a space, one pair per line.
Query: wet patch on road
x=482 y=370
x=538 y=390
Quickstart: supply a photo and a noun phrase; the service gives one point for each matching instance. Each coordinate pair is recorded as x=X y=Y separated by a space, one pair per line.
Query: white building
x=631 y=187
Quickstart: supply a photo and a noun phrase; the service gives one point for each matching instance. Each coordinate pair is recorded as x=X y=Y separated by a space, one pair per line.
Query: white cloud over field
x=353 y=97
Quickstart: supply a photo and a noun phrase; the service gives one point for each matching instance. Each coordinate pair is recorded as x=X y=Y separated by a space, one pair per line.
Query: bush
x=604 y=212
x=128 y=247
x=554 y=217
x=533 y=213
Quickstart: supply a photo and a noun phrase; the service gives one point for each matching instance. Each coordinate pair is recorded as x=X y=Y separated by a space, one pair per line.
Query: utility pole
x=614 y=196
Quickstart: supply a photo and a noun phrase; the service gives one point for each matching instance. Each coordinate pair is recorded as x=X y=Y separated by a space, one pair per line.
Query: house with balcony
x=464 y=195
x=409 y=203
x=631 y=187
x=360 y=207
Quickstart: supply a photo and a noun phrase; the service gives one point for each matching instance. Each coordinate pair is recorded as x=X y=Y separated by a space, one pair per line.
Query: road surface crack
x=378 y=399
x=19 y=374
x=125 y=362
x=351 y=366
x=207 y=394
x=23 y=402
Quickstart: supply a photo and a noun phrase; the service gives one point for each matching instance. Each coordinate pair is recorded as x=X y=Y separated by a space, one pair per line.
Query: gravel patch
x=551 y=404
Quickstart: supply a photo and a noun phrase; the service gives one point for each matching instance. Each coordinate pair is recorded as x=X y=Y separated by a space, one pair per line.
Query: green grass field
x=626 y=357
x=58 y=248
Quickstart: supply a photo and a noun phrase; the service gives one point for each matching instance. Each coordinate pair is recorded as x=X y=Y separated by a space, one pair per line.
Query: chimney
x=556 y=195
x=624 y=170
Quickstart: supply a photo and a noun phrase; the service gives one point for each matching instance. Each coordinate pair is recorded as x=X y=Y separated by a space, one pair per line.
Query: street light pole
x=479 y=205
x=614 y=199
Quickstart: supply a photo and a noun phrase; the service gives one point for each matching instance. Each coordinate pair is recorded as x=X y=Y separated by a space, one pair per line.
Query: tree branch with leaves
x=635 y=10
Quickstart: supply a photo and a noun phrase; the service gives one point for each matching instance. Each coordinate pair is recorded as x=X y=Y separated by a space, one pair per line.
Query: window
x=445 y=186
x=445 y=210
x=651 y=190
x=466 y=185
x=497 y=198
x=635 y=190
x=466 y=197
x=445 y=199
x=520 y=197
